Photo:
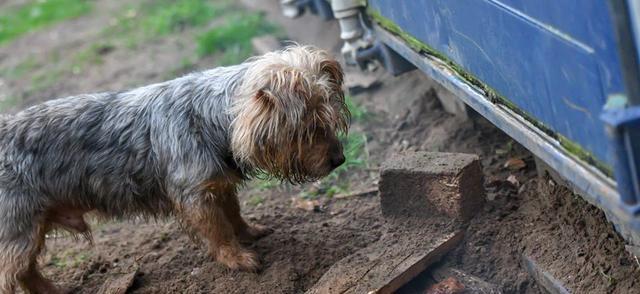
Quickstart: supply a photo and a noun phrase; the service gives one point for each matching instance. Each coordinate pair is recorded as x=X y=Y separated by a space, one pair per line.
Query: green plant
x=7 y=102
x=354 y=143
x=159 y=18
x=20 y=69
x=358 y=113
x=255 y=200
x=68 y=258
x=233 y=39
x=354 y=153
x=170 y=16
x=266 y=183
x=26 y=18
x=44 y=80
x=91 y=55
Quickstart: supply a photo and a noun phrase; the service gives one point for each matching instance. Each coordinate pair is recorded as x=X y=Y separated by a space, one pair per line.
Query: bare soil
x=523 y=214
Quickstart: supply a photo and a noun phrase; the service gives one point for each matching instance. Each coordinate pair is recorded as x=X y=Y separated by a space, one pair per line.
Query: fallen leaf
x=513 y=180
x=447 y=286
x=501 y=151
x=515 y=164
x=307 y=205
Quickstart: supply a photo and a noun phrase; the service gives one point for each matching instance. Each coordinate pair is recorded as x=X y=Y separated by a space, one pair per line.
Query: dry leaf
x=515 y=164
x=308 y=205
x=447 y=286
x=513 y=180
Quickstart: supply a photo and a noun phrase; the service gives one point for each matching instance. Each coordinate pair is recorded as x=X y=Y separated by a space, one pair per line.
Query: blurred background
x=53 y=48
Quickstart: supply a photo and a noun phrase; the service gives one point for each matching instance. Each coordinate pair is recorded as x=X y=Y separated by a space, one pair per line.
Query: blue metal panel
x=596 y=188
x=554 y=59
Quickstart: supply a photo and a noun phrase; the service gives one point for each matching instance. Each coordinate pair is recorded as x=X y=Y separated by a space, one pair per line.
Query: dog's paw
x=254 y=232
x=238 y=258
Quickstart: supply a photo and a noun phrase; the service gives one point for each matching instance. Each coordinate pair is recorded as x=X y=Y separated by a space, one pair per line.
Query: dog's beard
x=284 y=163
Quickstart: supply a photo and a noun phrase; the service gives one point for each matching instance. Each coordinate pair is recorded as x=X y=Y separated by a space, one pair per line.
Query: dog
x=179 y=148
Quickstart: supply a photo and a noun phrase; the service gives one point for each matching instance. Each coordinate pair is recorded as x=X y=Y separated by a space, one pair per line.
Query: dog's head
x=289 y=113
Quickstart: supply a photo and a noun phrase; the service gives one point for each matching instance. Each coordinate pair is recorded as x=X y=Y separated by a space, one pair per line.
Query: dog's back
x=111 y=151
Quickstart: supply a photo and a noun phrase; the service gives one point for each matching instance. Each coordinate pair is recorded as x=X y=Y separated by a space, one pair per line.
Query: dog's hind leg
x=33 y=282
x=12 y=263
x=245 y=232
x=207 y=217
x=18 y=263
x=22 y=237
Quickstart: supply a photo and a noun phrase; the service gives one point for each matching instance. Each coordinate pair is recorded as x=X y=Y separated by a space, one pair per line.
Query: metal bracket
x=390 y=60
x=295 y=8
x=623 y=129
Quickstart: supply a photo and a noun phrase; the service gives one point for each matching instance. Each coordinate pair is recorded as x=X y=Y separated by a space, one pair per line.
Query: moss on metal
x=584 y=155
x=493 y=95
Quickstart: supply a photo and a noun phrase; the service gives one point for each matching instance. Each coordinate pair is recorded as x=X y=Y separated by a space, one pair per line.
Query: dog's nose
x=337 y=160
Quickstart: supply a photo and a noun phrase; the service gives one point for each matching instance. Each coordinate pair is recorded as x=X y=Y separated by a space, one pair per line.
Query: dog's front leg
x=207 y=217
x=245 y=232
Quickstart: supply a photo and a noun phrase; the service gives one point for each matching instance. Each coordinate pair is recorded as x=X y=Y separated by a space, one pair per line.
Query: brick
x=427 y=183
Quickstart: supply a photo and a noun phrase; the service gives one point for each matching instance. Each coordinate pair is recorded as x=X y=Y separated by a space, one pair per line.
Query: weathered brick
x=426 y=183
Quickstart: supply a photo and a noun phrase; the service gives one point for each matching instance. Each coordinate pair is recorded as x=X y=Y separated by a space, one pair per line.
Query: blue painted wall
x=554 y=59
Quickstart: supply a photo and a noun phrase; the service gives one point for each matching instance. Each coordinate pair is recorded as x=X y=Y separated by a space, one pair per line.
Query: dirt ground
x=524 y=213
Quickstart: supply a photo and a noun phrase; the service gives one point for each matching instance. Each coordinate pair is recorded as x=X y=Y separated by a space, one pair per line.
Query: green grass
x=8 y=102
x=154 y=19
x=354 y=143
x=170 y=16
x=354 y=154
x=19 y=70
x=90 y=56
x=266 y=183
x=37 y=14
x=358 y=113
x=68 y=259
x=45 y=80
x=233 y=39
x=255 y=200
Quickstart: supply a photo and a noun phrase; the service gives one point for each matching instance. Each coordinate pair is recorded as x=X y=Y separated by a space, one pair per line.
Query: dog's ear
x=285 y=89
x=263 y=97
x=333 y=69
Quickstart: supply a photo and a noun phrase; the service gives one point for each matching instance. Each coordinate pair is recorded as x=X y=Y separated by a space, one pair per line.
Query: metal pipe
x=290 y=8
x=353 y=30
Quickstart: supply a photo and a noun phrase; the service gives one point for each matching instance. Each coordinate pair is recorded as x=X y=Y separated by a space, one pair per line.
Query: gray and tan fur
x=179 y=148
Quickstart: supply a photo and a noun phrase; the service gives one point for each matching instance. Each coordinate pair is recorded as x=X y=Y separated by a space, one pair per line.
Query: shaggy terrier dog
x=177 y=148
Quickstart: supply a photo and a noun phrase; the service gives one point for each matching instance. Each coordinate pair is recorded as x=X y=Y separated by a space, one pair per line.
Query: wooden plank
x=543 y=278
x=387 y=264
